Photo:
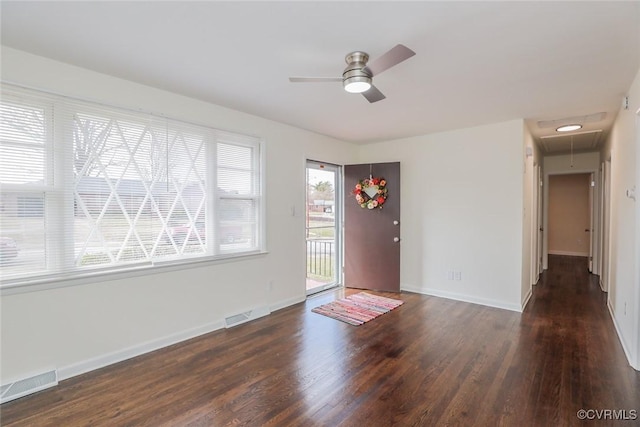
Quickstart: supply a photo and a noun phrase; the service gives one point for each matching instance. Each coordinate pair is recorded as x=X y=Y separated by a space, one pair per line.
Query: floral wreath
x=371 y=192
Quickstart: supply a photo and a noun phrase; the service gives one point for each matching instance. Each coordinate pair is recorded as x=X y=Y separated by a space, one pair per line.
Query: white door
x=591 y=234
x=540 y=218
x=604 y=276
x=535 y=233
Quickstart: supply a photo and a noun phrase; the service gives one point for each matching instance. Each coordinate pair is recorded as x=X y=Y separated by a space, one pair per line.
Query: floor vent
x=28 y=385
x=247 y=316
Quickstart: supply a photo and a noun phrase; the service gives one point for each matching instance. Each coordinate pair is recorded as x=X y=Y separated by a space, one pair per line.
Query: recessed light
x=568 y=128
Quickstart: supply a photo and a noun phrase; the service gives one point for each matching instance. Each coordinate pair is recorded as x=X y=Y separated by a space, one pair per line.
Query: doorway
x=570 y=215
x=323 y=229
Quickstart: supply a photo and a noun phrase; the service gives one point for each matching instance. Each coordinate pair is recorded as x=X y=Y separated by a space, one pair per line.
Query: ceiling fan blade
x=392 y=57
x=314 y=79
x=373 y=94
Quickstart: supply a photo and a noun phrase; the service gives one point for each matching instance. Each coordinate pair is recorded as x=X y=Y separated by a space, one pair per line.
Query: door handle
x=587 y=230
x=396 y=239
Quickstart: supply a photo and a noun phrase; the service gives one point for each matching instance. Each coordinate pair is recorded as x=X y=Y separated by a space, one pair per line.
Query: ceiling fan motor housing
x=355 y=70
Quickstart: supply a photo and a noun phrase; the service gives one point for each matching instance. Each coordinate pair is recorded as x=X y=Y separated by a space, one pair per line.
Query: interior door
x=540 y=218
x=590 y=230
x=372 y=236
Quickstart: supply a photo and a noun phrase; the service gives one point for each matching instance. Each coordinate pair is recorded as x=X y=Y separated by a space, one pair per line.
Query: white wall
x=624 y=286
x=82 y=327
x=560 y=165
x=461 y=210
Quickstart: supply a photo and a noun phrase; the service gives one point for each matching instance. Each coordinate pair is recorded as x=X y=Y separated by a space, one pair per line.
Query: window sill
x=20 y=286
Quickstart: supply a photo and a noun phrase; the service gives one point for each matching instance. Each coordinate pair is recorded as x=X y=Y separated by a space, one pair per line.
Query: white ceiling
x=476 y=62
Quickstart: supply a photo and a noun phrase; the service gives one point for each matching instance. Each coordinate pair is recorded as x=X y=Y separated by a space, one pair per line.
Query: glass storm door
x=323 y=226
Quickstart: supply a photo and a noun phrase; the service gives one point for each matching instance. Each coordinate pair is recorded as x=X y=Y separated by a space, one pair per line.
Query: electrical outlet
x=625 y=308
x=458 y=275
x=449 y=275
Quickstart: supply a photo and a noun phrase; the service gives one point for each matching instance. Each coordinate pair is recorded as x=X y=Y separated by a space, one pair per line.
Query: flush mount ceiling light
x=356 y=79
x=568 y=128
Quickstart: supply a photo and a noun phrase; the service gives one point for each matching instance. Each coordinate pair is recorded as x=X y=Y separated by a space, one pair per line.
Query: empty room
x=218 y=213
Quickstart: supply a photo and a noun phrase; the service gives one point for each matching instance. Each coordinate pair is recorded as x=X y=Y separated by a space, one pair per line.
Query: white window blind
x=88 y=187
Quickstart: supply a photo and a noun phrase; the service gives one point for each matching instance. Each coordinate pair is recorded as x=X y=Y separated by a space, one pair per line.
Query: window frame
x=59 y=198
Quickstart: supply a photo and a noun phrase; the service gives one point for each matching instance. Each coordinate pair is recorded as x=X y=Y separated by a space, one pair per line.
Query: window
x=88 y=187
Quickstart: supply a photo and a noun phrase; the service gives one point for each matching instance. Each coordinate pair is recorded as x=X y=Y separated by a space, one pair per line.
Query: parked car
x=180 y=232
x=8 y=248
x=228 y=233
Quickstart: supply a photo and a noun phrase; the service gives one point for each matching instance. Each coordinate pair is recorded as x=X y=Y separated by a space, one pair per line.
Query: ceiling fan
x=357 y=76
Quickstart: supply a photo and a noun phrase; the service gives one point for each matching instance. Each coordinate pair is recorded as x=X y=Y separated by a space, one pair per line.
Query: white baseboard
x=620 y=338
x=602 y=284
x=464 y=298
x=101 y=361
x=98 y=362
x=526 y=299
x=569 y=253
x=288 y=302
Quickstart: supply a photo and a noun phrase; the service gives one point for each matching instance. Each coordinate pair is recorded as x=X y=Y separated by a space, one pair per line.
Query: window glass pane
x=140 y=196
x=235 y=169
x=22 y=233
x=234 y=156
x=232 y=181
x=237 y=224
x=22 y=144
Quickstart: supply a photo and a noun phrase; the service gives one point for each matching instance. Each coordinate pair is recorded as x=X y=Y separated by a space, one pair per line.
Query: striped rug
x=358 y=308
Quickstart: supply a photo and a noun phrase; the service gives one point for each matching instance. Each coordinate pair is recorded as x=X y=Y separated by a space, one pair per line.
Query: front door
x=372 y=226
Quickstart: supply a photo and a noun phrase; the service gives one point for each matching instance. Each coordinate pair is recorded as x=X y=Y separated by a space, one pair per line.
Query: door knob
x=396 y=239
x=395 y=222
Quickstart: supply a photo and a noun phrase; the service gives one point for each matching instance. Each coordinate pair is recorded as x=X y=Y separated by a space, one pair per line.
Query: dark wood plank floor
x=430 y=362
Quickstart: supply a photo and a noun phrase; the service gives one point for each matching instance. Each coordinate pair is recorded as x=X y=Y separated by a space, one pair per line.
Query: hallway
x=431 y=361
x=571 y=353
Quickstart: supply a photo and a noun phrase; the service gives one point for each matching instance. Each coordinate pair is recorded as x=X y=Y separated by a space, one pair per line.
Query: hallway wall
x=624 y=286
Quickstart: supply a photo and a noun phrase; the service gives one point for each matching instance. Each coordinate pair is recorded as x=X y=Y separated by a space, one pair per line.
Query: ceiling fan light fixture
x=357 y=84
x=568 y=128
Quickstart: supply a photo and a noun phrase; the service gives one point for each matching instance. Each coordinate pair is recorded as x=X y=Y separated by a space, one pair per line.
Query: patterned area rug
x=358 y=308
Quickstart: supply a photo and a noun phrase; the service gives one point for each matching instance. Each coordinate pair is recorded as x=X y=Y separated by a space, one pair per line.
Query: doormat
x=358 y=308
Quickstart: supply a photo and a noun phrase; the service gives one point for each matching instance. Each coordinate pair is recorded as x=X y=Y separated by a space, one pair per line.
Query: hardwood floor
x=430 y=362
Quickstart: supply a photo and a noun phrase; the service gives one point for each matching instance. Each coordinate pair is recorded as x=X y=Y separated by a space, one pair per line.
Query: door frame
x=594 y=211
